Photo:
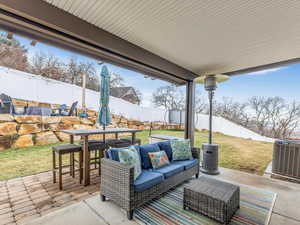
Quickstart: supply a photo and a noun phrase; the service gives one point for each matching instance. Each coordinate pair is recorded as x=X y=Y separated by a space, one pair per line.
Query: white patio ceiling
x=205 y=37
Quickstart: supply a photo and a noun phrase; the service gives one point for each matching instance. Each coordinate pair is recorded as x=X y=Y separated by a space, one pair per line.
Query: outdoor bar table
x=85 y=136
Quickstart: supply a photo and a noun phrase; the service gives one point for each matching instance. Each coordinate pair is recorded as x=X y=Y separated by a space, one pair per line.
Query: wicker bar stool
x=117 y=143
x=61 y=150
x=137 y=141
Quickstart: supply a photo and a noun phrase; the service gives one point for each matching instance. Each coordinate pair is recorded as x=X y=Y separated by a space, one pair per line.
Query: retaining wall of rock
x=27 y=130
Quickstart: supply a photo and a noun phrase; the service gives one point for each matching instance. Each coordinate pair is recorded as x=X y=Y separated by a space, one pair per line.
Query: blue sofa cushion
x=146 y=180
x=170 y=170
x=144 y=149
x=187 y=164
x=114 y=155
x=166 y=146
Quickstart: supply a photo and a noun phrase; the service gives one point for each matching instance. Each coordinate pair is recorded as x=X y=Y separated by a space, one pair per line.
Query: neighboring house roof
x=126 y=93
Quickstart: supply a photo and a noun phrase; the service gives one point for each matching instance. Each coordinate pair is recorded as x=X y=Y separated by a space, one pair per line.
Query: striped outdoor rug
x=255 y=209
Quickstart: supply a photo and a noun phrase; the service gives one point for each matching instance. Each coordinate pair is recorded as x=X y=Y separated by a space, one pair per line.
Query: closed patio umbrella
x=104 y=117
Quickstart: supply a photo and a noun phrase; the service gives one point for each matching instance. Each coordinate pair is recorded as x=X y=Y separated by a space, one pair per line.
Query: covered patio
x=36 y=200
x=160 y=40
x=175 y=41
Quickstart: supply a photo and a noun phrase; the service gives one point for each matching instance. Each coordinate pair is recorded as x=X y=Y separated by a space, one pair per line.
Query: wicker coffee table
x=214 y=198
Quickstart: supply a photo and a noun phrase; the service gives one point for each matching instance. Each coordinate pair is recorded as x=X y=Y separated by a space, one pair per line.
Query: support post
x=83 y=92
x=189 y=128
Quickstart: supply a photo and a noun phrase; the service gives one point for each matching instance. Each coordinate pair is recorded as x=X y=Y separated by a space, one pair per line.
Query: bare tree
x=201 y=105
x=12 y=54
x=261 y=116
x=289 y=122
x=76 y=70
x=73 y=70
x=47 y=65
x=139 y=95
x=274 y=117
x=169 y=97
x=233 y=111
x=116 y=80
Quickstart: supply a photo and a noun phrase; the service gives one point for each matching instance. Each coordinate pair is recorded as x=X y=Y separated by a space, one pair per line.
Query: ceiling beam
x=55 y=26
x=264 y=67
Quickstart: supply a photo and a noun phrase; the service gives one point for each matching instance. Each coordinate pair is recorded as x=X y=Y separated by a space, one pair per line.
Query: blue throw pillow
x=166 y=146
x=144 y=150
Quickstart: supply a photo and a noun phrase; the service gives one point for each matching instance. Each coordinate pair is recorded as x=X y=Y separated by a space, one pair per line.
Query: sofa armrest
x=117 y=181
x=196 y=153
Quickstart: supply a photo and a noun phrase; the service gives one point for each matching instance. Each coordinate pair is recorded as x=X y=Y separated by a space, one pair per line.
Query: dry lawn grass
x=235 y=153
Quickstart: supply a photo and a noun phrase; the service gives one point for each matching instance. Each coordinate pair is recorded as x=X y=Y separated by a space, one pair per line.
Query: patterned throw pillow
x=181 y=149
x=131 y=157
x=158 y=159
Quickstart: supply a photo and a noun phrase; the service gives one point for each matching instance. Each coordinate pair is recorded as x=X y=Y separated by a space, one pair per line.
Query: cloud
x=266 y=71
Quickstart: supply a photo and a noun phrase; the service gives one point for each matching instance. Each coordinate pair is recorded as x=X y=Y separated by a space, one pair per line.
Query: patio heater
x=210 y=150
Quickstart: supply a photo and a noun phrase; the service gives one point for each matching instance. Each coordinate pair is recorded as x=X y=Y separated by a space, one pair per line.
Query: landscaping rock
x=28 y=119
x=116 y=117
x=6 y=118
x=59 y=126
x=96 y=137
x=5 y=142
x=146 y=127
x=82 y=127
x=45 y=138
x=100 y=136
x=114 y=123
x=122 y=125
x=8 y=128
x=133 y=127
x=134 y=122
x=65 y=137
x=29 y=129
x=32 y=103
x=19 y=102
x=70 y=120
x=51 y=119
x=86 y=121
x=23 y=141
x=123 y=120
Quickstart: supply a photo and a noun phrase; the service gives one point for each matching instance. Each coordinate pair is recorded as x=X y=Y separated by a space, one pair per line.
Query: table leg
x=71 y=139
x=86 y=162
x=71 y=157
x=133 y=138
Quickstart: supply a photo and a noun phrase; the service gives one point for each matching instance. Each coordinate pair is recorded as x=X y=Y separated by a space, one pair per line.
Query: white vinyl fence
x=224 y=126
x=18 y=84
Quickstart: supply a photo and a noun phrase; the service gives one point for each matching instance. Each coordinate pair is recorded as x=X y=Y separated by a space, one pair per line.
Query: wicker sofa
x=117 y=180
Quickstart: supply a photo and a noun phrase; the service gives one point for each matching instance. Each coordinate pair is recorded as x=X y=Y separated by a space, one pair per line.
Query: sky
x=283 y=81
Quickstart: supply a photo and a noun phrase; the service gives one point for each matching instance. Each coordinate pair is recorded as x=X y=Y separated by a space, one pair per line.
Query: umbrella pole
x=210 y=95
x=104 y=134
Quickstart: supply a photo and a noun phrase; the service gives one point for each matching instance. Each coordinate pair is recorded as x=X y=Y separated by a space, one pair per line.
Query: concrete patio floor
x=81 y=205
